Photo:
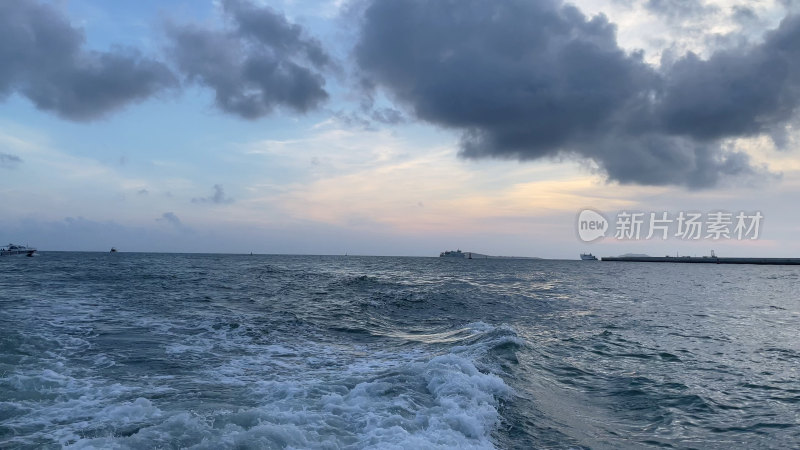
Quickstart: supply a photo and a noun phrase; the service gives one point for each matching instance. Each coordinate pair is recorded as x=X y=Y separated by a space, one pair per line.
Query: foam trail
x=443 y=402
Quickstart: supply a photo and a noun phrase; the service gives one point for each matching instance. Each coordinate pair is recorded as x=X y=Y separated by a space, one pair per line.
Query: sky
x=399 y=127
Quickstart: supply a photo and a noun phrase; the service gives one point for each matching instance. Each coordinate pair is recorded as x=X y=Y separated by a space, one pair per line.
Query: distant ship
x=452 y=254
x=12 y=249
x=588 y=257
x=113 y=250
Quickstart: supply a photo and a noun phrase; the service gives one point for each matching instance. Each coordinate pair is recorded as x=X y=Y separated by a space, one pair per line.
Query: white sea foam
x=279 y=393
x=443 y=403
x=57 y=405
x=394 y=400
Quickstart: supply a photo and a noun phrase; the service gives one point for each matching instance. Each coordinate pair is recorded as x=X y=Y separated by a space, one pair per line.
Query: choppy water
x=225 y=351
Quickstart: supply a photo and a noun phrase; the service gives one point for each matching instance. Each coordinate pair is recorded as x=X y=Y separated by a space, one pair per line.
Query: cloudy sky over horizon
x=394 y=127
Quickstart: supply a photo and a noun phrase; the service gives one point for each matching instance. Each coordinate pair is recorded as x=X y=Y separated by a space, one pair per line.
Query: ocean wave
x=232 y=388
x=442 y=402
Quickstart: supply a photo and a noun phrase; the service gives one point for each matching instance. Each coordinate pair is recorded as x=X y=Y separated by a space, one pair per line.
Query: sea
x=210 y=351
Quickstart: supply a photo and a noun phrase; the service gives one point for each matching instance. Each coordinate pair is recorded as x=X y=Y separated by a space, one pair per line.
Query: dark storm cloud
x=42 y=57
x=258 y=62
x=9 y=161
x=735 y=92
x=526 y=80
x=218 y=197
x=270 y=28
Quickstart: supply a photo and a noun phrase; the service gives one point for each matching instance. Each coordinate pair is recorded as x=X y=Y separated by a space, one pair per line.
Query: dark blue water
x=226 y=351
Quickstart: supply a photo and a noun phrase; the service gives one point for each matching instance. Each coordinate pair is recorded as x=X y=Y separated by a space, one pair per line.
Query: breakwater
x=704 y=260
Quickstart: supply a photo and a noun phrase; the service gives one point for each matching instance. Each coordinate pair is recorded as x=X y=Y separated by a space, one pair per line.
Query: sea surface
x=199 y=351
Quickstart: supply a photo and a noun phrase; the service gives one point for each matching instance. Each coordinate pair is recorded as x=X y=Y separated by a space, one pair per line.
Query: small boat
x=588 y=257
x=13 y=249
x=113 y=250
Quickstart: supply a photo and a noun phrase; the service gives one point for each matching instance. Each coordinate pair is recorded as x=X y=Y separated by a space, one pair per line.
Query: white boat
x=13 y=249
x=588 y=257
x=452 y=254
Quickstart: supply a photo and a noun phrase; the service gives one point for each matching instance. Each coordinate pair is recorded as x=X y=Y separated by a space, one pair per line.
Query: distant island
x=473 y=255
